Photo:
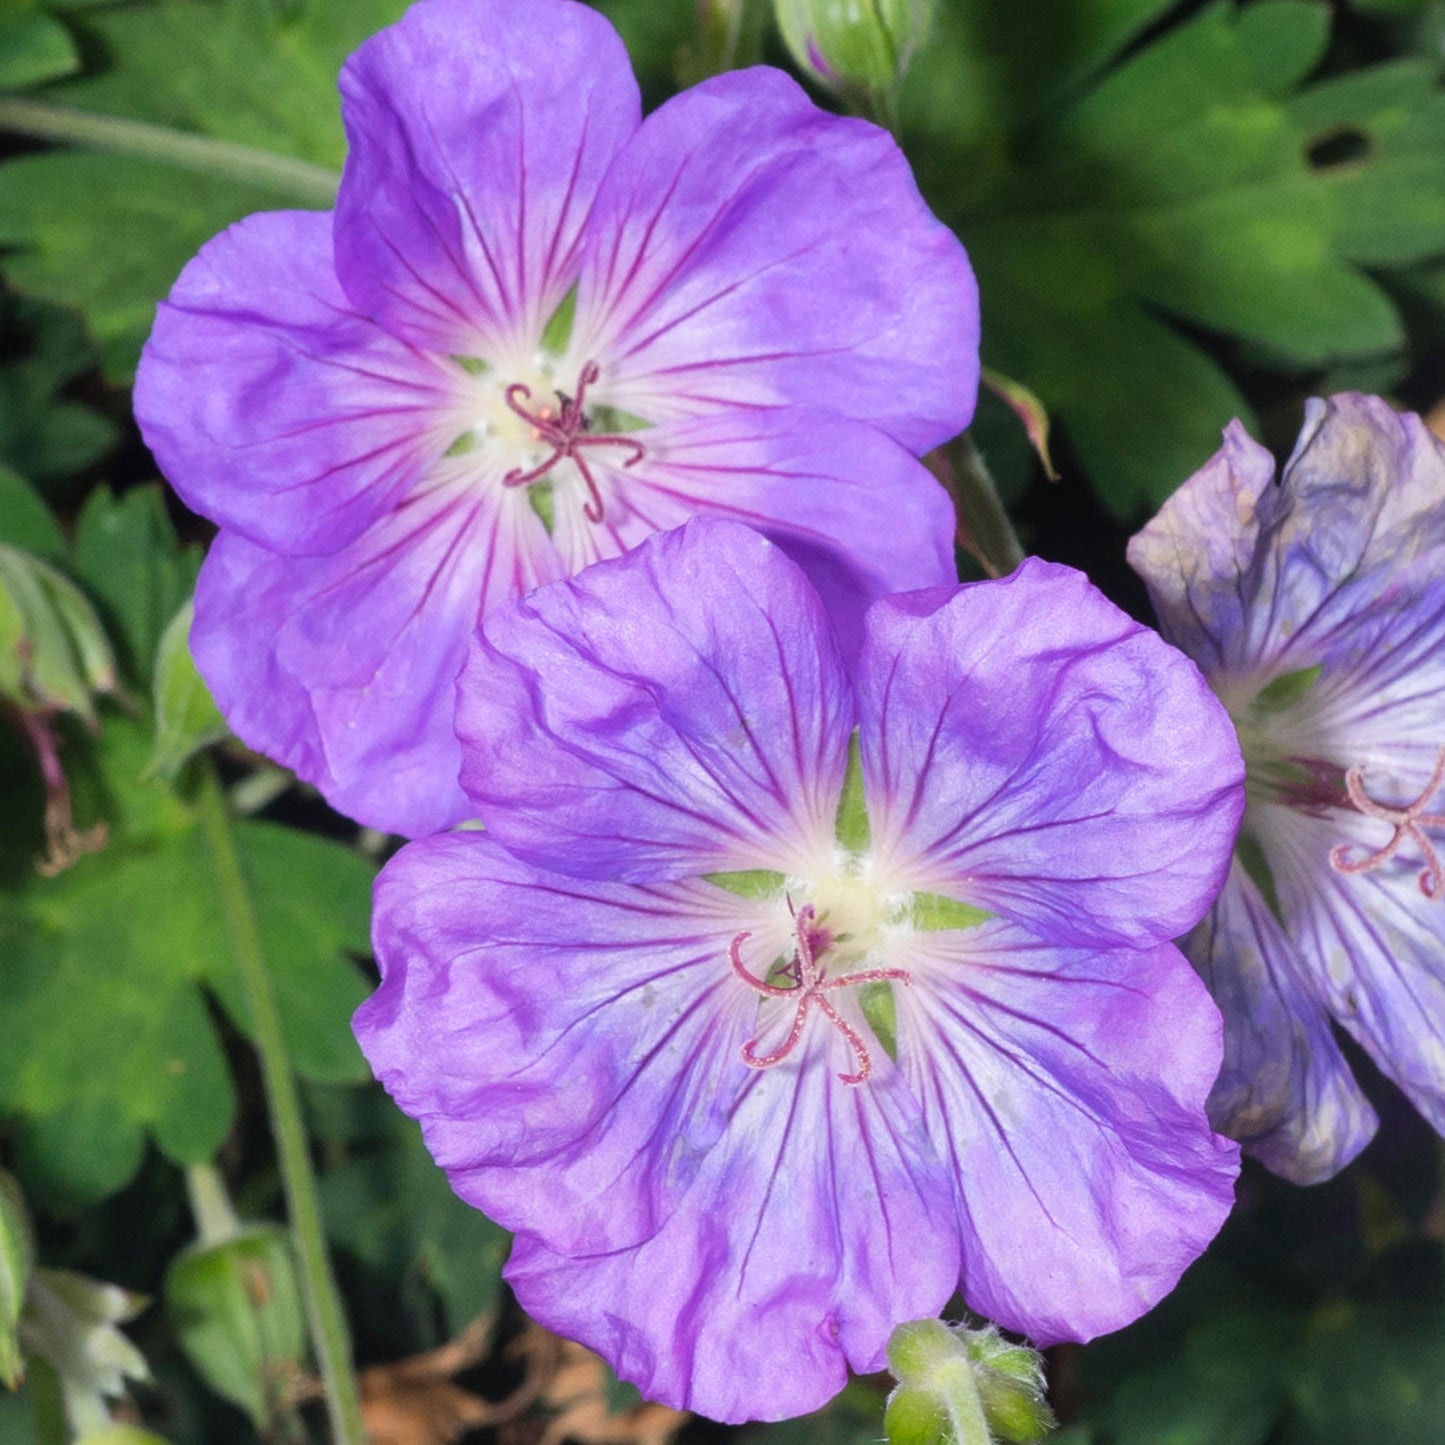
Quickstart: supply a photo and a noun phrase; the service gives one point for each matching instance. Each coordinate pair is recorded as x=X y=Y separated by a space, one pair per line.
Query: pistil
x=810 y=988
x=1409 y=821
x=567 y=432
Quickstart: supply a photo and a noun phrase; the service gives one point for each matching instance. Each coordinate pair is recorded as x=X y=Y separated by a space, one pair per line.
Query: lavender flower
x=535 y=330
x=1316 y=607
x=763 y=1042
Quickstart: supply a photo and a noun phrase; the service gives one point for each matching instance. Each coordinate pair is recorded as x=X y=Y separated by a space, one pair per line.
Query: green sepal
x=186 y=716
x=937 y=913
x=558 y=330
x=611 y=420
x=750 y=883
x=852 y=827
x=880 y=1008
x=1287 y=689
x=465 y=443
x=544 y=504
x=472 y=365
x=915 y=1417
x=1251 y=855
x=237 y=1312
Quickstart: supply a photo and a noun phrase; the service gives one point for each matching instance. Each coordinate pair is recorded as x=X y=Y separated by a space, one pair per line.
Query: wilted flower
x=763 y=1042
x=535 y=330
x=1316 y=607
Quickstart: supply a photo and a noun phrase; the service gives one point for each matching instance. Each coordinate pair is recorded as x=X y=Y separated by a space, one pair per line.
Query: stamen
x=1409 y=822
x=567 y=432
x=812 y=986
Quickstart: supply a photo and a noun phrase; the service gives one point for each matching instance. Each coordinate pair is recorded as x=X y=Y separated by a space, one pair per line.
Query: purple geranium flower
x=1316 y=607
x=536 y=330
x=763 y=1043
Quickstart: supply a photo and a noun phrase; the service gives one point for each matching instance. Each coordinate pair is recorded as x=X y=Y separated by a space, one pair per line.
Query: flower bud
x=237 y=1312
x=958 y=1386
x=855 y=46
x=16 y=1261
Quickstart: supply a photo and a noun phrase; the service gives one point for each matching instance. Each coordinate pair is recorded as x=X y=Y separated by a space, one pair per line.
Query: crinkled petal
x=1252 y=577
x=570 y=1048
x=749 y=249
x=819 y=1220
x=1376 y=942
x=479 y=133
x=272 y=406
x=1285 y=1092
x=1067 y=1088
x=343 y=667
x=858 y=513
x=1030 y=749
x=678 y=711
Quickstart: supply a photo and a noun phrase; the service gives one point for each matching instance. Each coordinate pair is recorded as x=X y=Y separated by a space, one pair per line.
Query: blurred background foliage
x=1179 y=213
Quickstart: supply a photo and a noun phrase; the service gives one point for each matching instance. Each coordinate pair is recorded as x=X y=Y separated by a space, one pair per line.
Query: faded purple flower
x=763 y=1043
x=537 y=329
x=1316 y=608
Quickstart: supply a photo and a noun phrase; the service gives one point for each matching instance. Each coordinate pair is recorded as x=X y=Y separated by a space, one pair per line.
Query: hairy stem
x=323 y=1303
x=984 y=526
x=311 y=185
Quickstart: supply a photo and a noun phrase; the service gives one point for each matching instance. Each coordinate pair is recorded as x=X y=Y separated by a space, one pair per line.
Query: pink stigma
x=567 y=433
x=812 y=987
x=1409 y=821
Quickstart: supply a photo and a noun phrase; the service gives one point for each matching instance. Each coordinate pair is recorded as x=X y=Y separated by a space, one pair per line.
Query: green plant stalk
x=310 y=184
x=323 y=1302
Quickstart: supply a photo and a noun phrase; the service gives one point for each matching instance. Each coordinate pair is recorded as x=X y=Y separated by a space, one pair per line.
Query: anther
x=1409 y=821
x=811 y=988
x=566 y=432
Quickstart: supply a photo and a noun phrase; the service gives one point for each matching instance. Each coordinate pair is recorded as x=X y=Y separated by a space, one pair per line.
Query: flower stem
x=984 y=529
x=310 y=184
x=954 y=1383
x=323 y=1303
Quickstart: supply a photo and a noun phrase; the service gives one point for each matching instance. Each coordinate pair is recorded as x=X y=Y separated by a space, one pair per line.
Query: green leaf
x=41 y=435
x=1195 y=181
x=109 y=1037
x=391 y=1208
x=186 y=716
x=127 y=554
x=17 y=1259
x=33 y=47
x=250 y=121
x=26 y=522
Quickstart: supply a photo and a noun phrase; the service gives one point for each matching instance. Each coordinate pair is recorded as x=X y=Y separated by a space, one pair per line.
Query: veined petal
x=1285 y=1091
x=570 y=1048
x=479 y=133
x=749 y=249
x=342 y=667
x=820 y=1219
x=1251 y=578
x=1029 y=749
x=678 y=711
x=854 y=509
x=1066 y=1089
x=1377 y=943
x=272 y=406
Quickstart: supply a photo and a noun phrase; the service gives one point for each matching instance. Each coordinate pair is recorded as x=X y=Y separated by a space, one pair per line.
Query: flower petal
x=272 y=406
x=570 y=1048
x=479 y=133
x=1252 y=577
x=342 y=667
x=854 y=509
x=749 y=249
x=1285 y=1091
x=1377 y=942
x=679 y=711
x=1030 y=749
x=1066 y=1088
x=820 y=1219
